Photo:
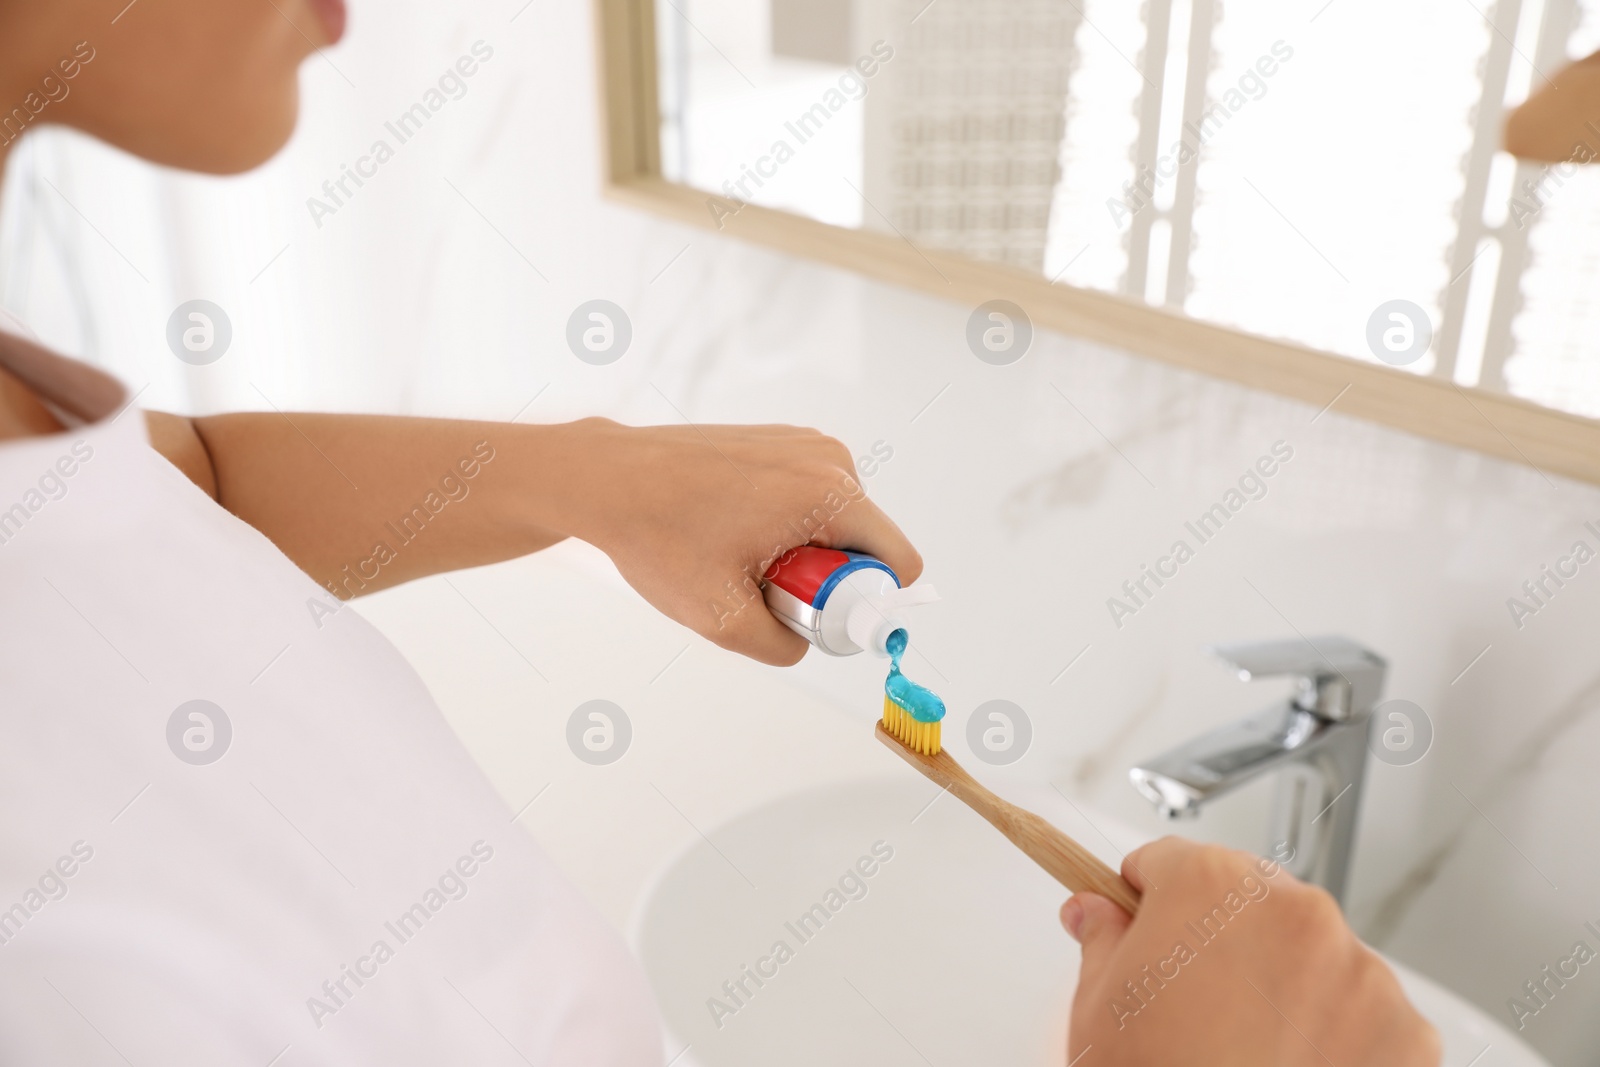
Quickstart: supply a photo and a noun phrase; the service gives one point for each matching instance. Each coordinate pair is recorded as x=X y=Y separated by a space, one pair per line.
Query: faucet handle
x=1338 y=679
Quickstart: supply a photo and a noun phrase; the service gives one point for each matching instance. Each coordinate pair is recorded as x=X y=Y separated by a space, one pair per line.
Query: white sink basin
x=953 y=956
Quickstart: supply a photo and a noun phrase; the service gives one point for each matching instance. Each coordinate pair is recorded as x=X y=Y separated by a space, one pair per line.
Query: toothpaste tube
x=842 y=602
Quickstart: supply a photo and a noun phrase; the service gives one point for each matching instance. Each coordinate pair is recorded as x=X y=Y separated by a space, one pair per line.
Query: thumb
x=1098 y=925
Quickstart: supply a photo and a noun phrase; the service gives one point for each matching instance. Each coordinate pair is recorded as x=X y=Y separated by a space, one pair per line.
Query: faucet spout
x=1316 y=740
x=1197 y=772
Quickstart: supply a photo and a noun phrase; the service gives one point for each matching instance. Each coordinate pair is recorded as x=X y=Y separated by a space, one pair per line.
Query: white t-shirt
x=341 y=886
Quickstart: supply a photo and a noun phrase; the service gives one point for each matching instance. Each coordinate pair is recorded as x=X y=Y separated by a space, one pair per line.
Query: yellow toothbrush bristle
x=904 y=727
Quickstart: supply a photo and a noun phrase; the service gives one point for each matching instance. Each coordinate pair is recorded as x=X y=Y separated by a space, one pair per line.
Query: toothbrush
x=847 y=602
x=1061 y=857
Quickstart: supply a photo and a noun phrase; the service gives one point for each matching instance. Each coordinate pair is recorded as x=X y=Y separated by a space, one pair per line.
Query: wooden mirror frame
x=1552 y=442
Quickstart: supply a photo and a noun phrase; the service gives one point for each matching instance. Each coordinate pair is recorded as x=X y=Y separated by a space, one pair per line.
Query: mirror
x=1328 y=173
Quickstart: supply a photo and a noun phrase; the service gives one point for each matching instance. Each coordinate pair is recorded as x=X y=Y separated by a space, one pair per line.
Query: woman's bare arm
x=691 y=515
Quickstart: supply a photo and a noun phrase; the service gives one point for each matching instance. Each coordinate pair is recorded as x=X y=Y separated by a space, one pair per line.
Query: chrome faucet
x=1317 y=739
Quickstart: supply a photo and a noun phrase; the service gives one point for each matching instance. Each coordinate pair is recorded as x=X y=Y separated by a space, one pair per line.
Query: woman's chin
x=240 y=144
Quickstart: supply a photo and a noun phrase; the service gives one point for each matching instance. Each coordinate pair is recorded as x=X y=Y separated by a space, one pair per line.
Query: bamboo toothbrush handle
x=1062 y=858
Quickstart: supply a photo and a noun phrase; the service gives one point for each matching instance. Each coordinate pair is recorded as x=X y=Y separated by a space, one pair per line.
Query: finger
x=1136 y=873
x=1090 y=918
x=1072 y=916
x=1144 y=866
x=863 y=527
x=755 y=632
x=1098 y=925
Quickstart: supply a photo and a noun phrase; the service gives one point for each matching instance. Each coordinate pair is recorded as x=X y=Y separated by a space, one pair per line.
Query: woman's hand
x=693 y=516
x=1231 y=962
x=1554 y=124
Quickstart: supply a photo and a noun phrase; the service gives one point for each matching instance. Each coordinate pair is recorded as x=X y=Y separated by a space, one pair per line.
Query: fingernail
x=1072 y=916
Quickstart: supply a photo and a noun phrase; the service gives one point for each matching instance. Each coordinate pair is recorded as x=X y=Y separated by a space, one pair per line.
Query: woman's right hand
x=1232 y=962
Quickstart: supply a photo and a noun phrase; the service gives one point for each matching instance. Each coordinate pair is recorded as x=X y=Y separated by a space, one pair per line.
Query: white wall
x=408 y=300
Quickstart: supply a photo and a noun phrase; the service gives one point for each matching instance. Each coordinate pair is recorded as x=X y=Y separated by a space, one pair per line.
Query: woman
x=345 y=887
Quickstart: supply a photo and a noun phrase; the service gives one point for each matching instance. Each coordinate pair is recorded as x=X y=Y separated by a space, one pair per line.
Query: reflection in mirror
x=1328 y=173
